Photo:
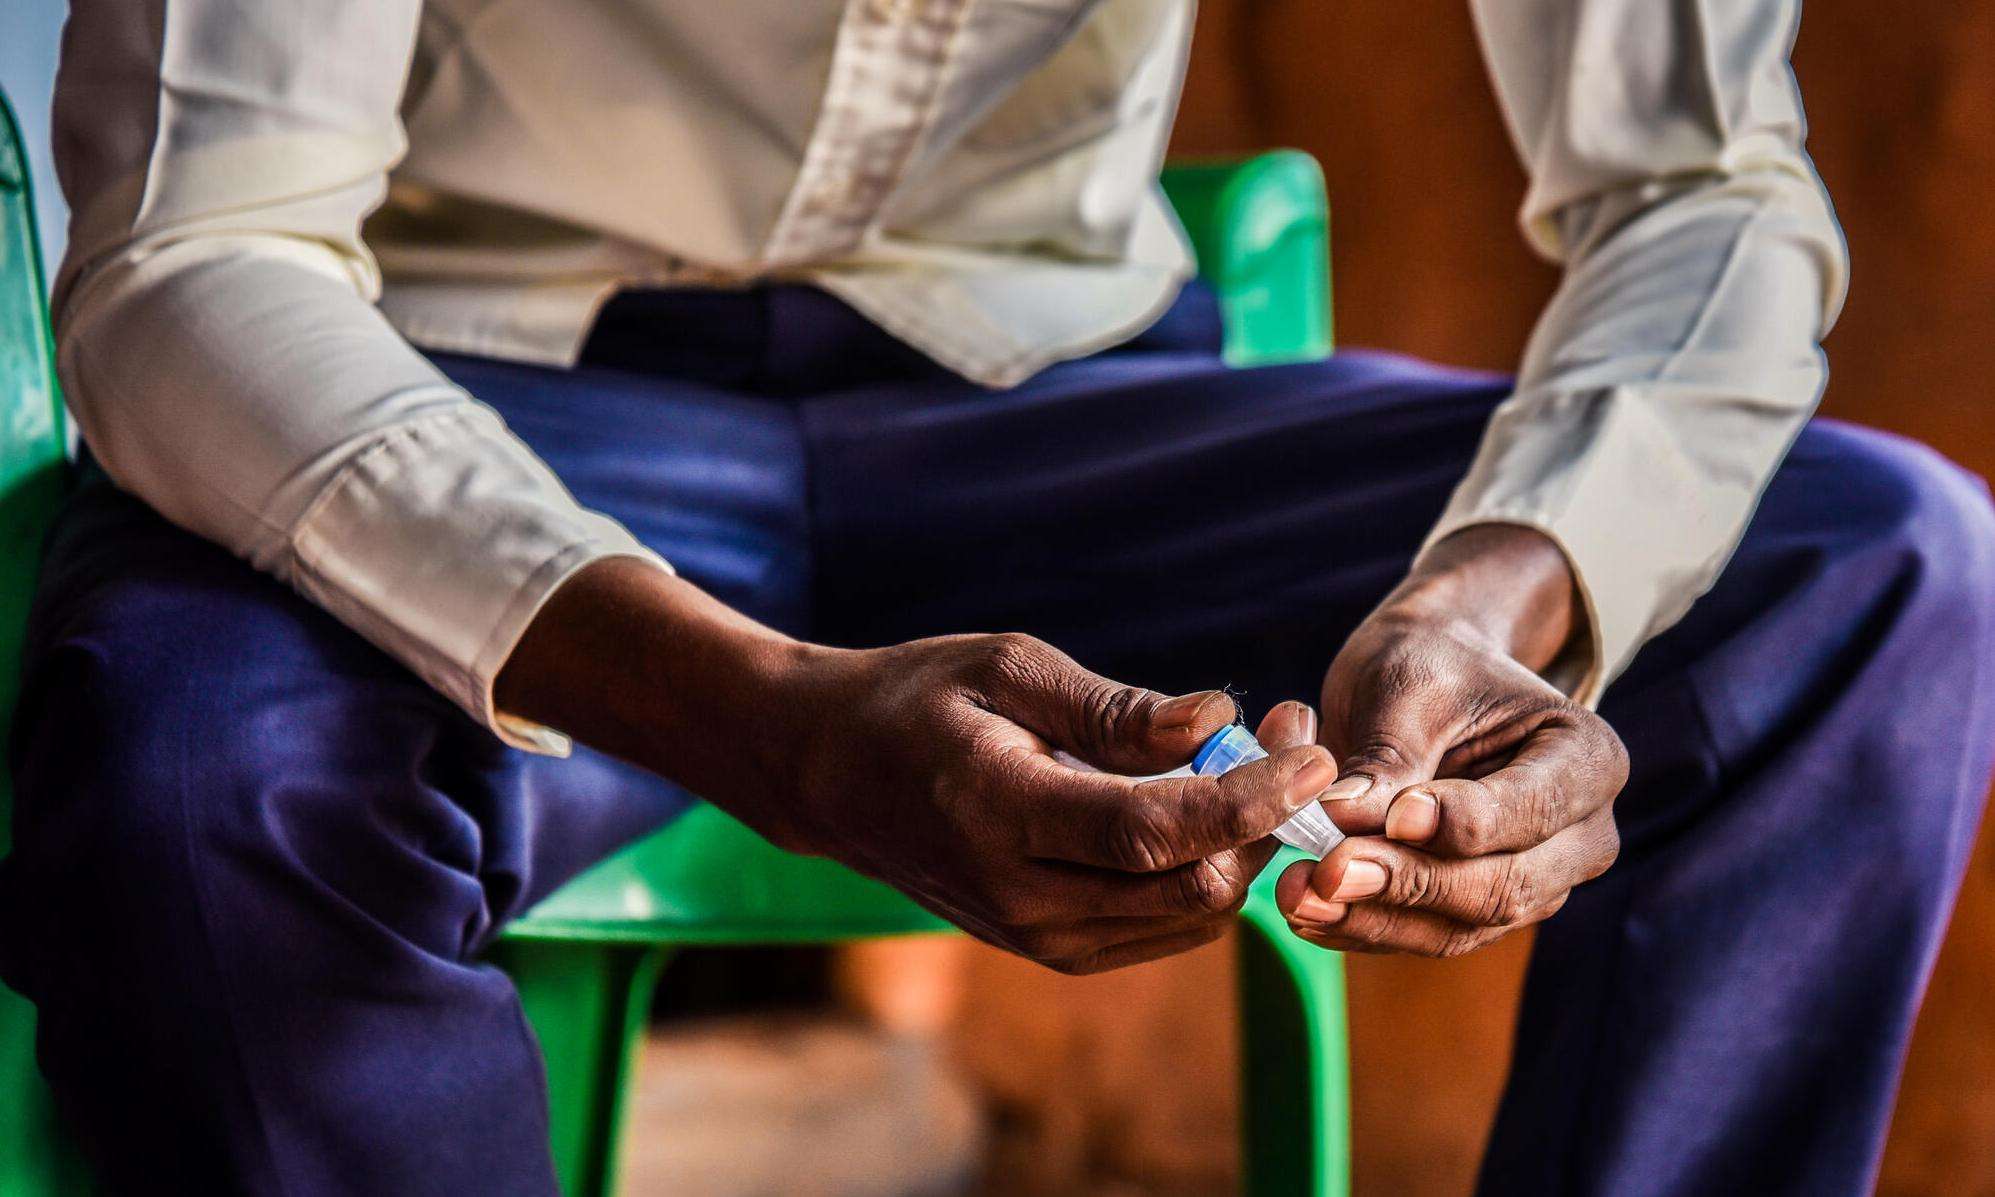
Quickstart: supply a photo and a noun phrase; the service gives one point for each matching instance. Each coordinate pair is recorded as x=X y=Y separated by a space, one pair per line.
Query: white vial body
x=1309 y=829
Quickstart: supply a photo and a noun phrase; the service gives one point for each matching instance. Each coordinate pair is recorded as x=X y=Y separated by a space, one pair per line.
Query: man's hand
x=929 y=764
x=1492 y=790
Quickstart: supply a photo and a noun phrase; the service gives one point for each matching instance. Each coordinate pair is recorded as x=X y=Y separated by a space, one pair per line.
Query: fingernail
x=1312 y=909
x=1348 y=789
x=1309 y=781
x=1180 y=713
x=1305 y=723
x=1413 y=817
x=1362 y=879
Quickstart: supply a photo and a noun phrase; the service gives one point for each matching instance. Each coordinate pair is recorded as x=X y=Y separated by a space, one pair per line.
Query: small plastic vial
x=1309 y=829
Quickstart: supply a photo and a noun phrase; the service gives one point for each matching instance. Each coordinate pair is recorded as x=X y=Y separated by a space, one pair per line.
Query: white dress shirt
x=273 y=198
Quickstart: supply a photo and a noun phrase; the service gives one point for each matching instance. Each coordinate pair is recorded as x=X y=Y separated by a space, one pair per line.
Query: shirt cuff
x=1644 y=523
x=440 y=544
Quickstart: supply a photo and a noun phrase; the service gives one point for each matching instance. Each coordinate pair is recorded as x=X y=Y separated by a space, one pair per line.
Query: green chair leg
x=1295 y=1082
x=588 y=1004
x=36 y=1159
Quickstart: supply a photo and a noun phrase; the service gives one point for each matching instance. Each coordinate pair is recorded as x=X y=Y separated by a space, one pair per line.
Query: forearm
x=1703 y=266
x=648 y=667
x=219 y=345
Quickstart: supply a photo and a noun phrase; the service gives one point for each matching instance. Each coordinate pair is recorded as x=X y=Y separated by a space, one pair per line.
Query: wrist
x=1507 y=585
x=644 y=665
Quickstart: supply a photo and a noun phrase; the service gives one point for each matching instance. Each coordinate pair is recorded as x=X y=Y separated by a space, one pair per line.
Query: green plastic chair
x=587 y=960
x=35 y=1161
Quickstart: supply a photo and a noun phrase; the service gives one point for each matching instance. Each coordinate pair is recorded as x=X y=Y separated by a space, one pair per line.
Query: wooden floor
x=806 y=1106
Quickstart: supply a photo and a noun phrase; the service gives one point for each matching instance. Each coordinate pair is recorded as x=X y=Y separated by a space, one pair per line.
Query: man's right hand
x=929 y=764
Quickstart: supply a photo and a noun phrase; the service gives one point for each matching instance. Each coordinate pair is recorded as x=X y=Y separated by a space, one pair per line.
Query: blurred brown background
x=1123 y=1084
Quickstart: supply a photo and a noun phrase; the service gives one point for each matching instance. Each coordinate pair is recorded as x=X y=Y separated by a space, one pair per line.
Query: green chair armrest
x=708 y=879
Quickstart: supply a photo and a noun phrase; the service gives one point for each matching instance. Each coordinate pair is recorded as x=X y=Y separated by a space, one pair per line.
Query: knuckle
x=1607 y=849
x=1475 y=826
x=1543 y=808
x=1010 y=657
x=1458 y=942
x=1416 y=883
x=1204 y=888
x=1516 y=896
x=1138 y=839
x=1611 y=753
x=1111 y=708
x=1382 y=753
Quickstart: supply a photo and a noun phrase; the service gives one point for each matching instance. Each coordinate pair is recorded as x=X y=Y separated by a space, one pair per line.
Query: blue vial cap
x=1228 y=748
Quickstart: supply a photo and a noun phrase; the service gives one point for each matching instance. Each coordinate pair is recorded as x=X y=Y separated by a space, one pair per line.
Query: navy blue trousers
x=256 y=860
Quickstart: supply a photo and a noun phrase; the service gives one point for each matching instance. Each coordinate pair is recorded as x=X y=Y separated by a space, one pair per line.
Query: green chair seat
x=707 y=879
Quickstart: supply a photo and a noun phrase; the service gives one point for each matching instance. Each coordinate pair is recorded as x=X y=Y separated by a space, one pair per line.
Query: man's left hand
x=1477 y=795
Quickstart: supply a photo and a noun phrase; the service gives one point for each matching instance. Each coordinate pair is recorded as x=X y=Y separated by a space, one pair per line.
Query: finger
x=1397 y=930
x=1143 y=951
x=1122 y=729
x=1292 y=887
x=1387 y=746
x=1211 y=886
x=1290 y=725
x=1486 y=891
x=1132 y=826
x=1085 y=937
x=1565 y=771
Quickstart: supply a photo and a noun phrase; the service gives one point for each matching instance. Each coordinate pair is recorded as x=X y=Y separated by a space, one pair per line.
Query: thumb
x=1382 y=748
x=1117 y=728
x=1135 y=731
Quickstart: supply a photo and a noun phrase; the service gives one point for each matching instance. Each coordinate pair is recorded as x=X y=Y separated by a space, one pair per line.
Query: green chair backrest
x=32 y=460
x=1261 y=229
x=34 y=1161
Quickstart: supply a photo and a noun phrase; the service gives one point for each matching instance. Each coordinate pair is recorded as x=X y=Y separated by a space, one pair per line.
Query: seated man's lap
x=1867 y=569
x=182 y=708
x=1169 y=521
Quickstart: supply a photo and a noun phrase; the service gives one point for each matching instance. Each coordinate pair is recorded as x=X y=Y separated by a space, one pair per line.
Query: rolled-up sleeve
x=218 y=341
x=1703 y=265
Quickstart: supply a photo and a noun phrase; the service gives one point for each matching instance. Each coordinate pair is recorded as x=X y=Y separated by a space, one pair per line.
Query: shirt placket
x=887 y=75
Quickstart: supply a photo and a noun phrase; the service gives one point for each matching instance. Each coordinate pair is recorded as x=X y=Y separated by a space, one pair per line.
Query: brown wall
x=1128 y=1077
